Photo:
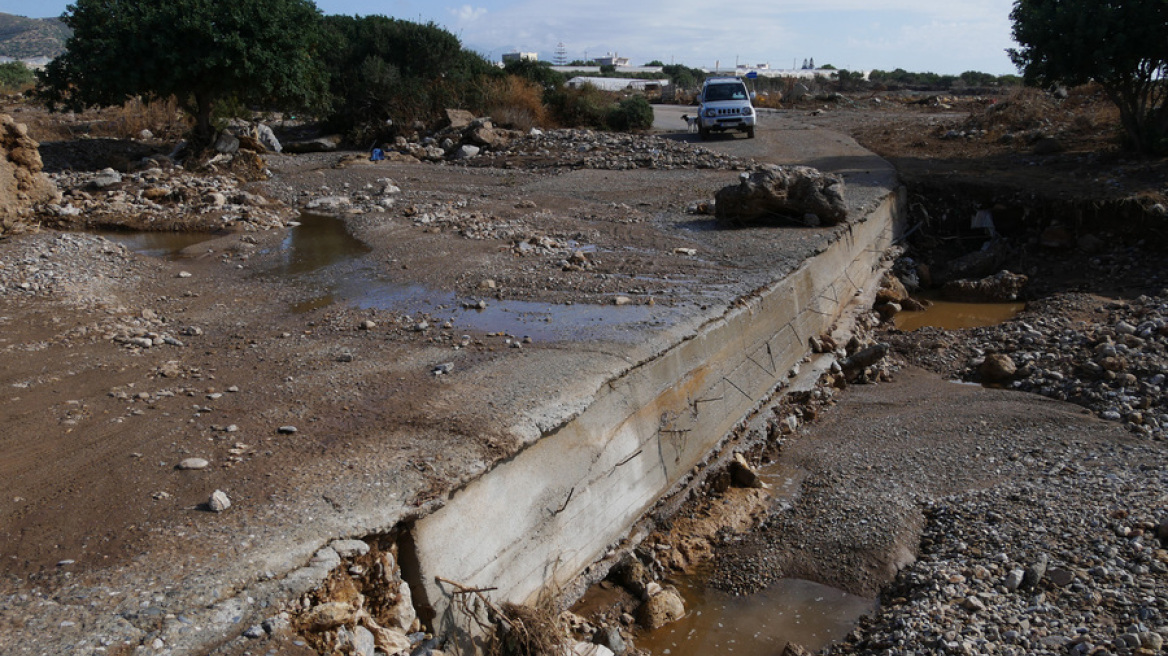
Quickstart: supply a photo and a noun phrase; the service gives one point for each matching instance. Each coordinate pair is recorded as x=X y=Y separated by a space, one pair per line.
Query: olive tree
x=1120 y=44
x=203 y=52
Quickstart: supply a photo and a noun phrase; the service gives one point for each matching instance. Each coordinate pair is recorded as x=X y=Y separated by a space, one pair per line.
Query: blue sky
x=948 y=36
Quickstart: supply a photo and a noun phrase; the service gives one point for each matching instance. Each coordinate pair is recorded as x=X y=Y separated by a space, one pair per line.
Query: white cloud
x=467 y=13
x=947 y=37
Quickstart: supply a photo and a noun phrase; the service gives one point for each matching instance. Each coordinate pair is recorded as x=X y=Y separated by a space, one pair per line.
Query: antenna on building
x=561 y=54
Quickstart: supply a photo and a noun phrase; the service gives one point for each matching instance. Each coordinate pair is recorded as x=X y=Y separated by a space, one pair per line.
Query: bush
x=585 y=106
x=15 y=76
x=633 y=113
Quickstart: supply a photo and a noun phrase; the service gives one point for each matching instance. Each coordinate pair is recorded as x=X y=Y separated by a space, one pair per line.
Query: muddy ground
x=95 y=424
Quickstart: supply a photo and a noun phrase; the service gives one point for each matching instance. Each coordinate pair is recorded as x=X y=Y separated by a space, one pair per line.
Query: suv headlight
x=746 y=111
x=710 y=113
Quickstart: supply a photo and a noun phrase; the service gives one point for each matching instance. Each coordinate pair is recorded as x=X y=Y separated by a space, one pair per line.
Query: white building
x=520 y=56
x=618 y=83
x=612 y=60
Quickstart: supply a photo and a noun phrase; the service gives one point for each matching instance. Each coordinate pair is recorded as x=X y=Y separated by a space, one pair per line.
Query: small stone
x=329 y=616
x=191 y=464
x=219 y=501
x=1060 y=577
x=611 y=638
x=444 y=368
x=1014 y=579
x=368 y=325
x=286 y=430
x=350 y=548
x=622 y=300
x=184 y=274
x=1034 y=574
x=363 y=642
x=255 y=632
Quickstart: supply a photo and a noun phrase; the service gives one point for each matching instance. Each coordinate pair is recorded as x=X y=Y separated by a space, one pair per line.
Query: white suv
x=725 y=105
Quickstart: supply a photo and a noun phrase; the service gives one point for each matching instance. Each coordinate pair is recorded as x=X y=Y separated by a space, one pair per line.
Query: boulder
x=892 y=290
x=226 y=143
x=1002 y=287
x=459 y=118
x=22 y=184
x=466 y=151
x=487 y=137
x=662 y=608
x=268 y=138
x=787 y=191
x=997 y=367
x=329 y=616
x=743 y=474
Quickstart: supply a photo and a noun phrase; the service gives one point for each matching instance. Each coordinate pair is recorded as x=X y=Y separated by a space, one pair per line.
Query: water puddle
x=318 y=242
x=949 y=315
x=157 y=244
x=793 y=610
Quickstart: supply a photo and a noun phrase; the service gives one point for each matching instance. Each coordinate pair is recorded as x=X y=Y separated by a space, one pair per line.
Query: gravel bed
x=1067 y=562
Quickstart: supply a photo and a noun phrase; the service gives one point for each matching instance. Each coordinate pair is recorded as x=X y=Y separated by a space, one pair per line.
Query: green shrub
x=633 y=113
x=15 y=76
x=583 y=107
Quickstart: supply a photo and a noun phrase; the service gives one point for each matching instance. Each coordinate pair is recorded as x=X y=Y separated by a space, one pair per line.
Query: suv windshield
x=716 y=92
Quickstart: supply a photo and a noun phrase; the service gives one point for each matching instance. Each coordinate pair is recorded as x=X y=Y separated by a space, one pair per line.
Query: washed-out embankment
x=536 y=522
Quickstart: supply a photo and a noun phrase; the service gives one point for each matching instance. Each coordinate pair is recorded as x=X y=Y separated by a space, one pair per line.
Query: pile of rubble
x=161 y=196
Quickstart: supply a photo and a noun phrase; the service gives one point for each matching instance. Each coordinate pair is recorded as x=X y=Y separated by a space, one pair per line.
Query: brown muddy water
x=157 y=244
x=322 y=244
x=949 y=315
x=792 y=610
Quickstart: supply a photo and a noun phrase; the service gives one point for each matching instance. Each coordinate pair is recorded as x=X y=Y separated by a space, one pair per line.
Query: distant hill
x=23 y=38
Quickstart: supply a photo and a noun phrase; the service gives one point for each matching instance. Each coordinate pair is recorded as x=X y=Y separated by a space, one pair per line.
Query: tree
x=1122 y=45
x=383 y=69
x=202 y=52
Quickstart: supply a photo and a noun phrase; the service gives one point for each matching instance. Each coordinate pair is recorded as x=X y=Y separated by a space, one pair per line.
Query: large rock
x=268 y=138
x=997 y=368
x=1002 y=287
x=227 y=143
x=459 y=118
x=662 y=608
x=22 y=184
x=483 y=133
x=784 y=191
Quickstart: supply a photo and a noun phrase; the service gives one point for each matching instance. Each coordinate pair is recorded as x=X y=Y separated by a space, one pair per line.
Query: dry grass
x=527 y=631
x=515 y=103
x=163 y=118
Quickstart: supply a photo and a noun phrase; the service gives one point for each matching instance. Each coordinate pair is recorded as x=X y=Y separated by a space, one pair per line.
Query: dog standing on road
x=691 y=122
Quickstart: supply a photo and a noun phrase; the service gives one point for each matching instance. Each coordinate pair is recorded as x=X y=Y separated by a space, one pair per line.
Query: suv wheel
x=750 y=132
x=703 y=133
